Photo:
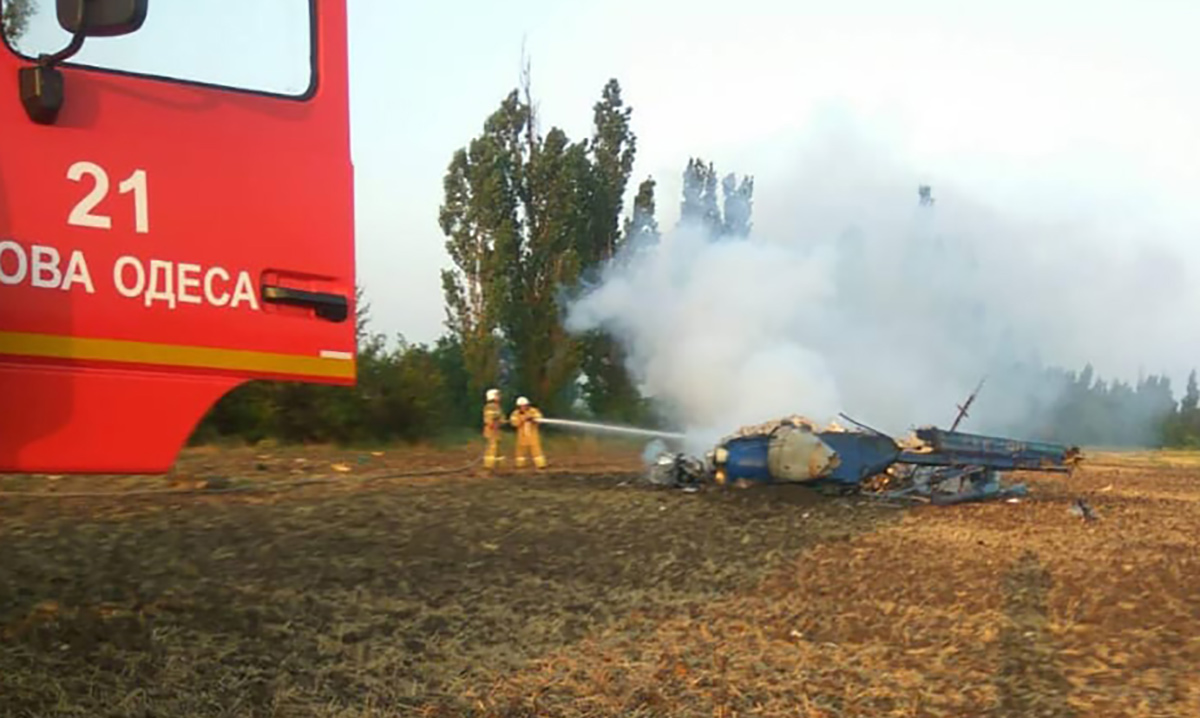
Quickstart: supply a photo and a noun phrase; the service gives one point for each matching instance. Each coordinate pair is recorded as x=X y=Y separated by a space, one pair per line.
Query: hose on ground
x=276 y=487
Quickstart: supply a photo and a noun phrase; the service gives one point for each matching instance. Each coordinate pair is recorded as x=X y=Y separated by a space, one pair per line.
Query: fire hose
x=611 y=428
x=276 y=487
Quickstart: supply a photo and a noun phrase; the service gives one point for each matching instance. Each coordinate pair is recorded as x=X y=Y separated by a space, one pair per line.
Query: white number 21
x=82 y=215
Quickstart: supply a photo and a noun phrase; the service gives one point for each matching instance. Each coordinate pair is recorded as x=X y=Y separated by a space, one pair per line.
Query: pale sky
x=998 y=97
x=1069 y=111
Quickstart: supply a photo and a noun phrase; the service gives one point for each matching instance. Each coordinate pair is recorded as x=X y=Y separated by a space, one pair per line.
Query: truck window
x=262 y=46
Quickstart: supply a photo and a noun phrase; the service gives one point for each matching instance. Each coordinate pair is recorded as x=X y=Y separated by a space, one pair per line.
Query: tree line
x=1081 y=408
x=527 y=215
x=528 y=218
x=531 y=216
x=416 y=392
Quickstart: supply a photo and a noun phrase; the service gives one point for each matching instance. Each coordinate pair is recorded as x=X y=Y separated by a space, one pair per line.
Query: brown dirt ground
x=572 y=593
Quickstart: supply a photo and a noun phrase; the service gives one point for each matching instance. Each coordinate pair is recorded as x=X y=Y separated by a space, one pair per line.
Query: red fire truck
x=176 y=218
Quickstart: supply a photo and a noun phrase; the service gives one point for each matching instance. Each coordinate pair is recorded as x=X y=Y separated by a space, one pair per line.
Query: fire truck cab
x=176 y=218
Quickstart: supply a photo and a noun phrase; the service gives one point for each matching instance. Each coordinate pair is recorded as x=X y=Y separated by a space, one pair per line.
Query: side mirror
x=101 y=18
x=41 y=86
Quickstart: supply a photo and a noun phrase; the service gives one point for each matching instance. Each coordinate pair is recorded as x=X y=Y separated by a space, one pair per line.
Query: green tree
x=410 y=398
x=613 y=147
x=362 y=315
x=642 y=228
x=738 y=206
x=15 y=18
x=1183 y=427
x=609 y=390
x=1191 y=396
x=246 y=413
x=700 y=208
x=559 y=184
x=525 y=215
x=479 y=217
x=1091 y=410
x=462 y=406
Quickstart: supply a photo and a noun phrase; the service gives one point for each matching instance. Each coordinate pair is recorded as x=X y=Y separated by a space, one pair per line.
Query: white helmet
x=522 y=401
x=493 y=394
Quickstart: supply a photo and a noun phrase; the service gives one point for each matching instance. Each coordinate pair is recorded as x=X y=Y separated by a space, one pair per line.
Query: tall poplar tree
x=525 y=215
x=609 y=390
x=483 y=192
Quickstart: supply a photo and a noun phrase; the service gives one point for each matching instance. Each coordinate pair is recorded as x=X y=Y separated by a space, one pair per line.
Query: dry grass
x=986 y=610
x=570 y=594
x=358 y=598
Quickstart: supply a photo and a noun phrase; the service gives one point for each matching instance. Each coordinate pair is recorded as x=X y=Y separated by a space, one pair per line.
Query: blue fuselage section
x=857 y=456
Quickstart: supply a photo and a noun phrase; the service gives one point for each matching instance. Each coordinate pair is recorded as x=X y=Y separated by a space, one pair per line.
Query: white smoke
x=852 y=297
x=717 y=330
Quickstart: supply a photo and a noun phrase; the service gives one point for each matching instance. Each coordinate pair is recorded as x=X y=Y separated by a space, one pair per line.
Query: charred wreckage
x=939 y=466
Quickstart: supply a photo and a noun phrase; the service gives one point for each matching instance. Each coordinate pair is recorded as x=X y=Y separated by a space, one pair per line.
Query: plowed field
x=318 y=582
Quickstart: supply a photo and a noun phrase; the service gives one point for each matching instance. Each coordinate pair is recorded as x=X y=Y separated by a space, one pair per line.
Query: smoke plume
x=852 y=296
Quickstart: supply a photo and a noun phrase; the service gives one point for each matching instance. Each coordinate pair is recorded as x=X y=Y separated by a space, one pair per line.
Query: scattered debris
x=215 y=483
x=953 y=485
x=676 y=470
x=1083 y=510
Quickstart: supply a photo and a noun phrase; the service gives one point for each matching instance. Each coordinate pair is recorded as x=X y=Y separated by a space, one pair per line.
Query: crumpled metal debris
x=676 y=470
x=914 y=444
x=1083 y=510
x=943 y=486
x=768 y=427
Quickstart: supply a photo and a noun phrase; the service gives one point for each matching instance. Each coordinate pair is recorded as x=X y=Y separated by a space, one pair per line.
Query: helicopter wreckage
x=934 y=465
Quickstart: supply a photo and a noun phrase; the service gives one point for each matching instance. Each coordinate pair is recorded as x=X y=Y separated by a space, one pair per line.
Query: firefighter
x=525 y=420
x=493 y=418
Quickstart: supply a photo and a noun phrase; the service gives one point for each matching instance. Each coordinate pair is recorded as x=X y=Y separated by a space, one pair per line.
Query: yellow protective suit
x=525 y=421
x=493 y=417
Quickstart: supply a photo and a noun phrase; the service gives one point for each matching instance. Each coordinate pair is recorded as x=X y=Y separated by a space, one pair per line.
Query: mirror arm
x=66 y=53
x=41 y=86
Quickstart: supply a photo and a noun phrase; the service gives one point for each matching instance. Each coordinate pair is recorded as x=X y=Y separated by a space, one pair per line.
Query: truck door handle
x=331 y=307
